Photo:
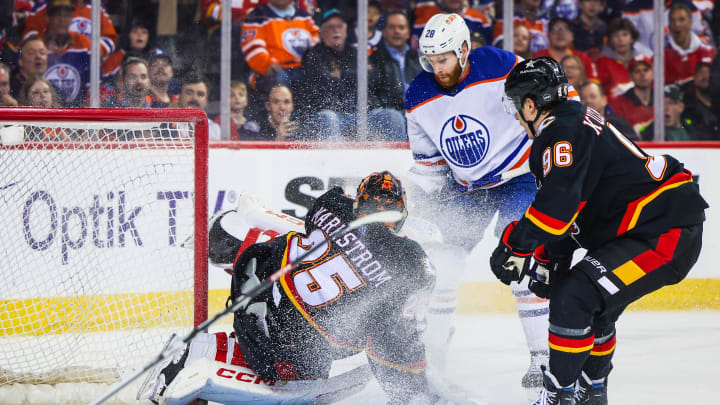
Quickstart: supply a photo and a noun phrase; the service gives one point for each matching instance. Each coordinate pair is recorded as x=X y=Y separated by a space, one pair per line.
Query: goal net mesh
x=97 y=223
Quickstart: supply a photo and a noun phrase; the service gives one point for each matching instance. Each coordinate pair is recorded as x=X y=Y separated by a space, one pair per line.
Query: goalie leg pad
x=228 y=384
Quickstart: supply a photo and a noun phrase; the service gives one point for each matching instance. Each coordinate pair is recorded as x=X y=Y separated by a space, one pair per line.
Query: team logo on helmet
x=464 y=141
x=296 y=41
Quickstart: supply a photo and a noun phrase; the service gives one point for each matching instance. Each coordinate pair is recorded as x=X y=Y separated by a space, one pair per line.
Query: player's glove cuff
x=539 y=269
x=507 y=264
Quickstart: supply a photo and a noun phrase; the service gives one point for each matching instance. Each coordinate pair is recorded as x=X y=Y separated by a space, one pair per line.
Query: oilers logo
x=66 y=79
x=464 y=141
x=81 y=26
x=296 y=41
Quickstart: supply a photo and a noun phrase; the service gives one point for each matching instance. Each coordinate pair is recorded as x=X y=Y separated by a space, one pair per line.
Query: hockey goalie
x=364 y=291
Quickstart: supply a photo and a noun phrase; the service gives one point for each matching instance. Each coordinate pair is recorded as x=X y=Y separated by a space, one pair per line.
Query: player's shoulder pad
x=490 y=63
x=565 y=121
x=334 y=201
x=335 y=196
x=421 y=89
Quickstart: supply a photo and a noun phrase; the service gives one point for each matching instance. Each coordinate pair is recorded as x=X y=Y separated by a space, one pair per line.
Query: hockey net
x=104 y=222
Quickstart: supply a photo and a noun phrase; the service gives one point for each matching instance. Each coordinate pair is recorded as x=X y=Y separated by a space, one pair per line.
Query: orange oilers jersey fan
x=268 y=38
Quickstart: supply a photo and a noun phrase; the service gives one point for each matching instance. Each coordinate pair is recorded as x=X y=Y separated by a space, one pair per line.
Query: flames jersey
x=361 y=291
x=36 y=24
x=593 y=177
x=268 y=38
x=466 y=129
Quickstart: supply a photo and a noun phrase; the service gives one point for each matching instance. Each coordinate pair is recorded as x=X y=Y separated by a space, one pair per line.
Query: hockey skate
x=552 y=393
x=591 y=392
x=533 y=379
x=164 y=372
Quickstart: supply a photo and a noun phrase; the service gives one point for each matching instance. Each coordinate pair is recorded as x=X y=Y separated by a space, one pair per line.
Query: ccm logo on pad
x=244 y=377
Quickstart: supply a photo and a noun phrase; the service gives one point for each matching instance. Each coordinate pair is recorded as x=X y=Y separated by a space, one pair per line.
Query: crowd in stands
x=294 y=62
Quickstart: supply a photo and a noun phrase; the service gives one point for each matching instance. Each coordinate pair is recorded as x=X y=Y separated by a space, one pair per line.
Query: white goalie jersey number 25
x=322 y=282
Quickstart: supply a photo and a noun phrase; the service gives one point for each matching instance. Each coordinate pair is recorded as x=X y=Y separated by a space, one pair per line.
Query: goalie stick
x=488 y=181
x=245 y=298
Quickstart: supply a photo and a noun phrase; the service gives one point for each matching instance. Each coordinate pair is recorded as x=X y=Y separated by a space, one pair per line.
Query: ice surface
x=661 y=358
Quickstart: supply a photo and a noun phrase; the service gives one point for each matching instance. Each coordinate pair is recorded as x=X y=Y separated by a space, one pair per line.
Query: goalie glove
x=507 y=264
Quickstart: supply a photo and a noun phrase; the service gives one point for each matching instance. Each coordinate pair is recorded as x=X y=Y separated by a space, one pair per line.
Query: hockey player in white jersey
x=459 y=135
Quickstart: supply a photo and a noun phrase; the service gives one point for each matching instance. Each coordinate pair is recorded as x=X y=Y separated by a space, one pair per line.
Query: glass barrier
x=295 y=70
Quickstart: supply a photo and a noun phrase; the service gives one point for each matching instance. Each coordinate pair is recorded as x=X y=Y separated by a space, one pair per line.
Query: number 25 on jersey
x=323 y=277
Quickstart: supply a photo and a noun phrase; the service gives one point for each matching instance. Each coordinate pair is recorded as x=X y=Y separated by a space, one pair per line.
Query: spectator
x=574 y=70
x=38 y=92
x=476 y=40
x=32 y=61
x=476 y=20
x=715 y=84
x=562 y=8
x=588 y=28
x=592 y=95
x=240 y=127
x=561 y=40
x=374 y=13
x=674 y=124
x=6 y=99
x=212 y=11
x=612 y=65
x=521 y=41
x=536 y=19
x=161 y=76
x=81 y=16
x=68 y=54
x=393 y=66
x=138 y=43
x=636 y=104
x=277 y=125
x=683 y=49
x=135 y=86
x=274 y=38
x=330 y=81
x=642 y=14
x=699 y=114
x=194 y=94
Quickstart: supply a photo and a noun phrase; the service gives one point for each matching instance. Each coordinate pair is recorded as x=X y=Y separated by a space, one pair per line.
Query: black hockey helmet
x=542 y=80
x=379 y=192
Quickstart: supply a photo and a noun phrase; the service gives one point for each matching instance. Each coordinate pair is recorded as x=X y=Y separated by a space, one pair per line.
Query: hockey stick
x=487 y=182
x=241 y=303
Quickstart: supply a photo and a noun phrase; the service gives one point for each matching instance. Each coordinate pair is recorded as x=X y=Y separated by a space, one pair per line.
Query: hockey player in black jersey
x=363 y=291
x=639 y=217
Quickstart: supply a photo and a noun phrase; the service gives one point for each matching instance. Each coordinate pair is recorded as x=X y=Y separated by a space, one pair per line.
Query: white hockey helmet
x=443 y=33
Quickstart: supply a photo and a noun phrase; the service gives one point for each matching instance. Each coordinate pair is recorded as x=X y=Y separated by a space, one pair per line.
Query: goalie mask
x=380 y=192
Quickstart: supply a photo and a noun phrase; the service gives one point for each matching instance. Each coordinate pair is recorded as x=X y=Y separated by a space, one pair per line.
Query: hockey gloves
x=541 y=268
x=507 y=264
x=539 y=272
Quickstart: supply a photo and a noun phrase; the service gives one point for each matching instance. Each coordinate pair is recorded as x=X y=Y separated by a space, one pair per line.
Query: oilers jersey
x=466 y=129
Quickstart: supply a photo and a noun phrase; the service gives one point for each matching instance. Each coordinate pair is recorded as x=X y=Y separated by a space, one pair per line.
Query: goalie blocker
x=366 y=291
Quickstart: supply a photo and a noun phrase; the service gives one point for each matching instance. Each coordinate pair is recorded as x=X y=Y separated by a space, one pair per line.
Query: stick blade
x=380 y=216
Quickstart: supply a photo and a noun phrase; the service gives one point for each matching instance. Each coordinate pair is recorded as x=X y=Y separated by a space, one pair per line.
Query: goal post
x=95 y=207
